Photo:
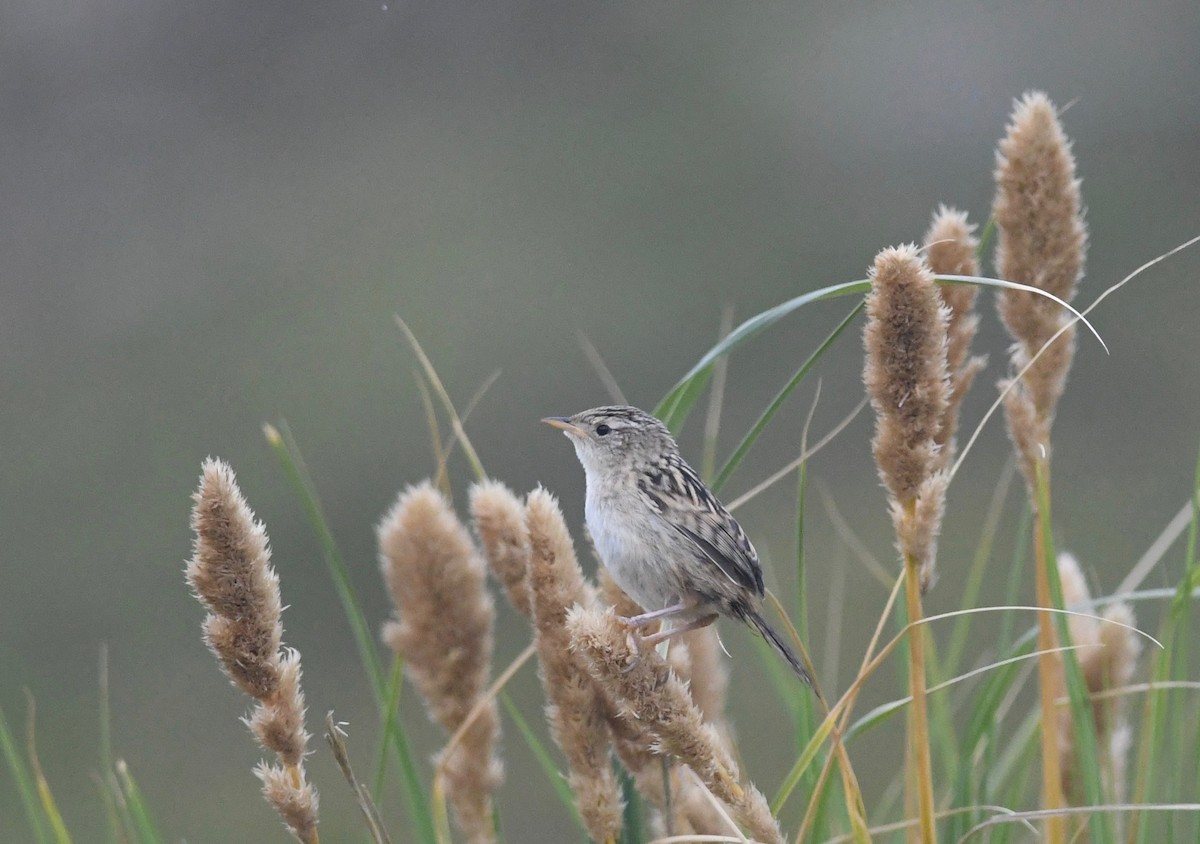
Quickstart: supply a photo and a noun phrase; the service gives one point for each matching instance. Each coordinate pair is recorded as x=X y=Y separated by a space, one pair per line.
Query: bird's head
x=609 y=438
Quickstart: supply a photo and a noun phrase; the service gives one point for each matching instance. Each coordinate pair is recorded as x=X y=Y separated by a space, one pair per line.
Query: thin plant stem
x=1052 y=794
x=919 y=736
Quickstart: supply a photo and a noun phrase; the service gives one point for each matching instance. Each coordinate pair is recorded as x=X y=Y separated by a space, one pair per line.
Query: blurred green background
x=211 y=212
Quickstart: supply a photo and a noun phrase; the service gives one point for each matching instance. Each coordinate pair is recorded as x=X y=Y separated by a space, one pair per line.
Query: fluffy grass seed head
x=950 y=249
x=1041 y=240
x=499 y=518
x=297 y=805
x=230 y=573
x=578 y=713
x=906 y=378
x=444 y=630
x=649 y=693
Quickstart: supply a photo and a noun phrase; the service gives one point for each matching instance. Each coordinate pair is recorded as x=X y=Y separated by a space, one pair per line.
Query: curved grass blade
x=45 y=796
x=985 y=281
x=674 y=409
x=137 y=805
x=748 y=329
x=290 y=459
x=757 y=428
x=24 y=783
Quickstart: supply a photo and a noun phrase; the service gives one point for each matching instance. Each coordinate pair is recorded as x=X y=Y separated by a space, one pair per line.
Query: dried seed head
x=905 y=369
x=950 y=248
x=444 y=629
x=907 y=381
x=577 y=712
x=248 y=653
x=917 y=528
x=444 y=615
x=295 y=801
x=499 y=518
x=1041 y=240
x=230 y=572
x=278 y=723
x=650 y=694
x=1040 y=236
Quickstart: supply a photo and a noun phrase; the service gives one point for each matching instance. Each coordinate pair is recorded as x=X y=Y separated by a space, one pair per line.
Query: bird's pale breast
x=631 y=543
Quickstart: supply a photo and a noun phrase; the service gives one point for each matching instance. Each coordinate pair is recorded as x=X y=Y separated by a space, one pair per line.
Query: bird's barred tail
x=771 y=636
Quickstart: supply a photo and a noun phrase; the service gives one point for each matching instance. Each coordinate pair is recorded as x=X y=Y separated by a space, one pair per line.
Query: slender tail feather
x=768 y=633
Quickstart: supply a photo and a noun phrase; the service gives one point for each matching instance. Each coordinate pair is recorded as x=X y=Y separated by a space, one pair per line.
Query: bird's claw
x=635 y=647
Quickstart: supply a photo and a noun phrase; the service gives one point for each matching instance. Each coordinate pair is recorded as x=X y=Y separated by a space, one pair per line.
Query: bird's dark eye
x=602 y=430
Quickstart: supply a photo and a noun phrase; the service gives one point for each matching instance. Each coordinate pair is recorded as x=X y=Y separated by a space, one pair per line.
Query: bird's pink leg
x=645 y=618
x=694 y=624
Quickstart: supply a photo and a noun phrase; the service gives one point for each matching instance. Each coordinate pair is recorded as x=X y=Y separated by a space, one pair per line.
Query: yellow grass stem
x=918 y=738
x=1052 y=793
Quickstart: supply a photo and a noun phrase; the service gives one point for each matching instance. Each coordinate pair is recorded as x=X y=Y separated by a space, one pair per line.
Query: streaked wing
x=674 y=491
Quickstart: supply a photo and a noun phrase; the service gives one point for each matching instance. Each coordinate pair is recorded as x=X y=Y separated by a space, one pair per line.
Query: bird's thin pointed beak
x=564 y=423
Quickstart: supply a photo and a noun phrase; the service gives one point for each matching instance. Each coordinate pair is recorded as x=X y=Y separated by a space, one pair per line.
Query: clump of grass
x=230 y=573
x=646 y=739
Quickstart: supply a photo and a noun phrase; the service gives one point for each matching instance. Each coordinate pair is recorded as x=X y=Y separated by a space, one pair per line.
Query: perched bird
x=660 y=531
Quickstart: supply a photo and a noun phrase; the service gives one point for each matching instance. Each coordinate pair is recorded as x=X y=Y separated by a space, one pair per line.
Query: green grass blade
x=138 y=809
x=631 y=816
x=24 y=782
x=45 y=796
x=757 y=428
x=535 y=745
x=674 y=409
x=985 y=239
x=119 y=829
x=390 y=713
x=290 y=459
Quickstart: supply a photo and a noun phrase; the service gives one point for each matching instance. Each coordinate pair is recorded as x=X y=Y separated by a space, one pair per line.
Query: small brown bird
x=660 y=531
